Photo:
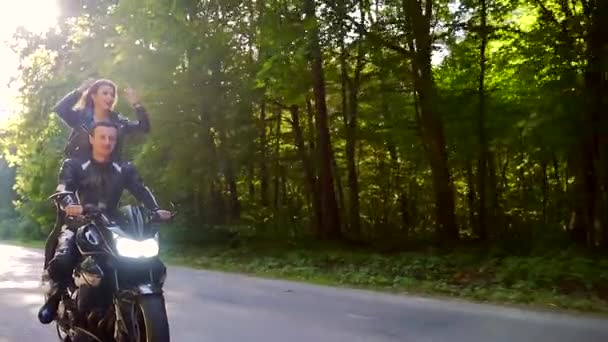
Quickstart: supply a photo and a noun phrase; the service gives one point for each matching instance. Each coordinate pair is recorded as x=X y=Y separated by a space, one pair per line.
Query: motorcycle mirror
x=59 y=194
x=174 y=210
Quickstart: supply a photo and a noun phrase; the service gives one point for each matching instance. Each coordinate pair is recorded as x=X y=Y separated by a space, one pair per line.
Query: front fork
x=127 y=327
x=121 y=332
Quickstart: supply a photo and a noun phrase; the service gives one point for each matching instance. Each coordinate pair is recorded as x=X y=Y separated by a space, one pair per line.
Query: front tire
x=154 y=319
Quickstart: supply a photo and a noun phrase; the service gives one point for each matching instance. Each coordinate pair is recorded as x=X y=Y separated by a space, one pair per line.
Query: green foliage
x=565 y=280
x=19 y=228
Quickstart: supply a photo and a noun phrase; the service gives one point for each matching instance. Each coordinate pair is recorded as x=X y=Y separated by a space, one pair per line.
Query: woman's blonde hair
x=86 y=100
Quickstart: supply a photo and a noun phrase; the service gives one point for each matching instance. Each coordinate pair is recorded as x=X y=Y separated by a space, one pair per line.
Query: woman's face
x=104 y=97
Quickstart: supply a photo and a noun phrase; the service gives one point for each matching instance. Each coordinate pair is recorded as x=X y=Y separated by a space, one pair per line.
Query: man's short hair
x=102 y=124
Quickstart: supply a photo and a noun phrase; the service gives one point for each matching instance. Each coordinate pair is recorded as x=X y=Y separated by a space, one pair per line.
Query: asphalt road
x=213 y=306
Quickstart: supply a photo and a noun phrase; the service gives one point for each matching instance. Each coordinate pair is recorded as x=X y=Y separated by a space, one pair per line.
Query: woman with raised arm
x=95 y=101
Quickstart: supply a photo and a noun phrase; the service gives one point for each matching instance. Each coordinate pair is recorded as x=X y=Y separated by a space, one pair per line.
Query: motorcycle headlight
x=136 y=249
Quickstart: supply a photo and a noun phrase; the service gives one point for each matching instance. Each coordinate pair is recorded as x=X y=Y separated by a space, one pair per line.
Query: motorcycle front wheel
x=151 y=318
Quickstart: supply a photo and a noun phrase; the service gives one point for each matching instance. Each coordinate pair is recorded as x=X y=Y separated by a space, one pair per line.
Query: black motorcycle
x=117 y=289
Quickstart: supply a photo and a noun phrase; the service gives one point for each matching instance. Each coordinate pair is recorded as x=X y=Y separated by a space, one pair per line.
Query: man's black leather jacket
x=99 y=184
x=102 y=184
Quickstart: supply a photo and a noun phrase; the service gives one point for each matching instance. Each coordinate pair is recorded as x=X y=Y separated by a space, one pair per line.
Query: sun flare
x=35 y=16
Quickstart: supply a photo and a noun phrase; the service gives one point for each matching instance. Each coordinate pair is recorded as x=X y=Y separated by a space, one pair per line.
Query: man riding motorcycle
x=100 y=182
x=93 y=101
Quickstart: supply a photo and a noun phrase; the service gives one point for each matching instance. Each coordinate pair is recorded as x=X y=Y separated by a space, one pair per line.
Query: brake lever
x=174 y=211
x=156 y=218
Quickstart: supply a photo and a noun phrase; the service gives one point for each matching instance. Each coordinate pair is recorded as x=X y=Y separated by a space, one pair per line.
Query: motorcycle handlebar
x=90 y=211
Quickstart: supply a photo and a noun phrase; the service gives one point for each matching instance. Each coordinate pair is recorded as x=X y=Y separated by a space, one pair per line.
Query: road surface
x=218 y=307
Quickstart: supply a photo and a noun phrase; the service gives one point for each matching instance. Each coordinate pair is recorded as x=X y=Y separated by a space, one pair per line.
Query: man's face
x=103 y=141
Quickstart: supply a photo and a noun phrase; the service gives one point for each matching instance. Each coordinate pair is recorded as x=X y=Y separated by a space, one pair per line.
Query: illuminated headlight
x=136 y=249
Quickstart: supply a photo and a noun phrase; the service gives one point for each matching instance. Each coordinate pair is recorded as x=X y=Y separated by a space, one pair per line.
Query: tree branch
x=547 y=12
x=386 y=43
x=586 y=8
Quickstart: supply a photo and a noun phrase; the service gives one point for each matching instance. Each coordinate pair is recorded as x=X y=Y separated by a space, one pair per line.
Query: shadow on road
x=21 y=295
x=20 y=271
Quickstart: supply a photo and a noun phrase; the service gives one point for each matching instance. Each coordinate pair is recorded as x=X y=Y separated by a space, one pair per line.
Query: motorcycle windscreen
x=131 y=221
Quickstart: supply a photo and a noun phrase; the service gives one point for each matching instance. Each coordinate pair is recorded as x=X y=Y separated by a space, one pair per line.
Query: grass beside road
x=25 y=243
x=561 y=281
x=564 y=280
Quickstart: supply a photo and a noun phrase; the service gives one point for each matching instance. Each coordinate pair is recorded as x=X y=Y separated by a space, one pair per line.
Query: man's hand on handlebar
x=164 y=215
x=73 y=210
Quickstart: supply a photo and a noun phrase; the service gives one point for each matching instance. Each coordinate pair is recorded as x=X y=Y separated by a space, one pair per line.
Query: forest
x=434 y=146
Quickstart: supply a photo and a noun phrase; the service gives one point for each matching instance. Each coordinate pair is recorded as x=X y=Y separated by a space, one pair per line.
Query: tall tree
x=331 y=228
x=419 y=16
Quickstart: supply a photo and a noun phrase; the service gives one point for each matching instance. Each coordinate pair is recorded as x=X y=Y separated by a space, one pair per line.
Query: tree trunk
x=339 y=189
x=217 y=212
x=580 y=219
x=235 y=205
x=556 y=176
x=399 y=188
x=492 y=190
x=284 y=194
x=482 y=173
x=545 y=189
x=309 y=173
x=310 y=113
x=197 y=204
x=264 y=155
x=350 y=89
x=597 y=82
x=277 y=152
x=589 y=223
x=406 y=221
x=432 y=125
x=250 y=179
x=329 y=206
x=473 y=223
